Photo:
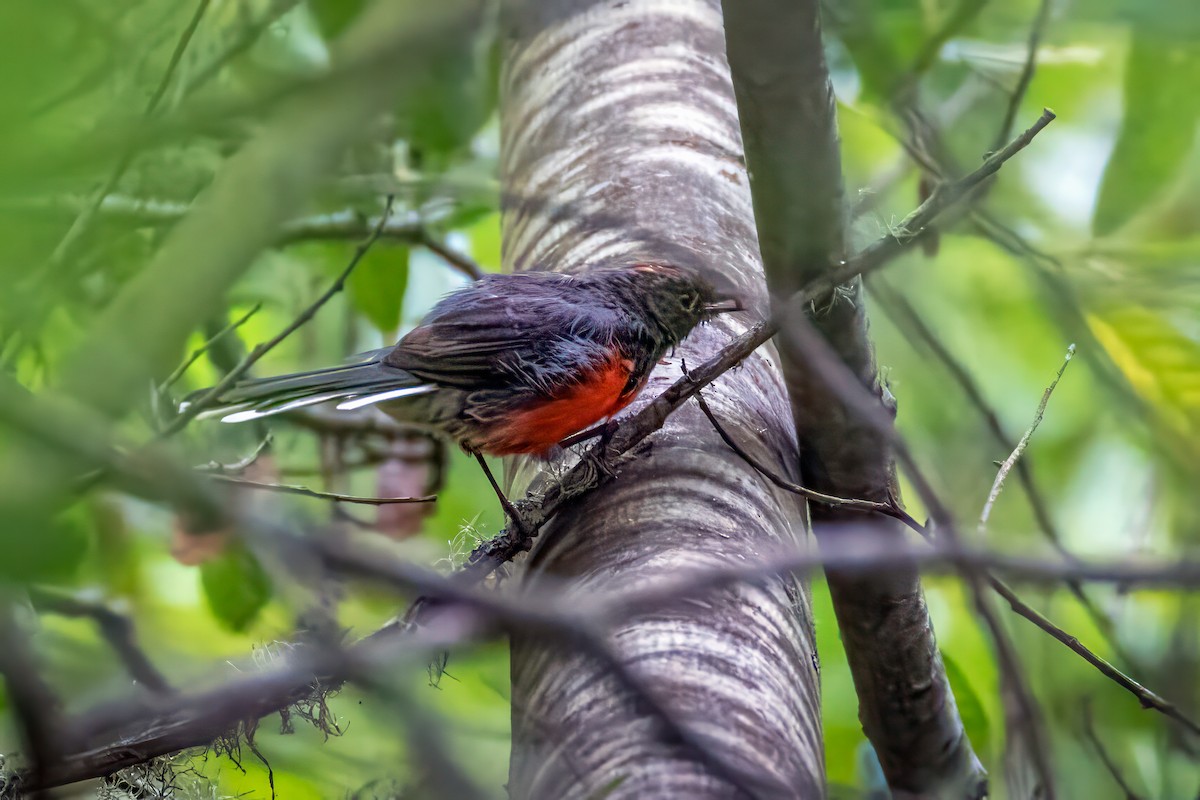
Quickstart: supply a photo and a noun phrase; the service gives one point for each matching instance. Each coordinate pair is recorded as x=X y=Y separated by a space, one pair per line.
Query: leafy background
x=1090 y=236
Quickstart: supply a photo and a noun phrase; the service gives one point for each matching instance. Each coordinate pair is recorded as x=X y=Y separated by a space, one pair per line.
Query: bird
x=512 y=364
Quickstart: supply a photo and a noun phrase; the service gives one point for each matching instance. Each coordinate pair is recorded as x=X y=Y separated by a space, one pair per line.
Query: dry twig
x=304 y=491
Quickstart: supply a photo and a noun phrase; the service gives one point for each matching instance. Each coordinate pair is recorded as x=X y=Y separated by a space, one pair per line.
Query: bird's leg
x=505 y=503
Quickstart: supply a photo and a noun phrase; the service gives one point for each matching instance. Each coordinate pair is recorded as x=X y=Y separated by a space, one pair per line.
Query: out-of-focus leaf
x=1161 y=363
x=882 y=37
x=452 y=103
x=1159 y=126
x=334 y=15
x=291 y=46
x=236 y=588
x=485 y=241
x=377 y=286
x=36 y=551
x=970 y=709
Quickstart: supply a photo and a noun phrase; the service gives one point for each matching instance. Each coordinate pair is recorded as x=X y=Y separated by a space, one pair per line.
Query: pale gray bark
x=620 y=144
x=789 y=121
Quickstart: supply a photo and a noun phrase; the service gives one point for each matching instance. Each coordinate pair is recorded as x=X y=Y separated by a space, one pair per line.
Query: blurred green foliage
x=1090 y=236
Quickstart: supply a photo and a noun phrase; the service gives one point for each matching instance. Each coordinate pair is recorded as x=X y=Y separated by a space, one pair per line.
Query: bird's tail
x=356 y=385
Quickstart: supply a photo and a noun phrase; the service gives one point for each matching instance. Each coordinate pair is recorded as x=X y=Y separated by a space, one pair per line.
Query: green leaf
x=31 y=550
x=334 y=15
x=236 y=588
x=1159 y=126
x=377 y=286
x=970 y=708
x=1160 y=361
x=456 y=96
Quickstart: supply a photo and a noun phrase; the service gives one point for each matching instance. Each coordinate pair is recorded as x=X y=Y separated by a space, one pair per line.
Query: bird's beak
x=724 y=305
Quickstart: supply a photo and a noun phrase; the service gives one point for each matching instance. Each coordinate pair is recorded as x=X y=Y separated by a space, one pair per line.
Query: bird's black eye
x=690 y=302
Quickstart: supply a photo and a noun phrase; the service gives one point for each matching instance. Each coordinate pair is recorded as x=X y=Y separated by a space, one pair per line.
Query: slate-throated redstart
x=511 y=364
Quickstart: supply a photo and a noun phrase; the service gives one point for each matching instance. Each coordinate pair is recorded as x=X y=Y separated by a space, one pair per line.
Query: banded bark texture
x=620 y=143
x=789 y=120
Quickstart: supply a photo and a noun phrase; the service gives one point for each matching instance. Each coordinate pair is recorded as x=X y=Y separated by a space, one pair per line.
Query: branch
x=786 y=485
x=199 y=351
x=945 y=195
x=35 y=707
x=117 y=630
x=1007 y=466
x=902 y=314
x=304 y=491
x=1027 y=70
x=859 y=402
x=1146 y=697
x=454 y=258
x=1089 y=730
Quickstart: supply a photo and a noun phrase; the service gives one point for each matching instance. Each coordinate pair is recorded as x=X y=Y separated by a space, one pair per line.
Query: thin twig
x=783 y=483
x=945 y=195
x=1089 y=730
x=1027 y=70
x=214 y=394
x=1146 y=697
x=241 y=465
x=903 y=315
x=962 y=15
x=117 y=630
x=204 y=348
x=1007 y=466
x=304 y=491
x=455 y=259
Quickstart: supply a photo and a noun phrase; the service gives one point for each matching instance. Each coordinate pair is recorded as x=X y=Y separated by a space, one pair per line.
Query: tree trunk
x=621 y=144
x=789 y=119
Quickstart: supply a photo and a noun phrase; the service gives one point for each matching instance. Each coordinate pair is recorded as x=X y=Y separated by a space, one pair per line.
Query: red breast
x=539 y=426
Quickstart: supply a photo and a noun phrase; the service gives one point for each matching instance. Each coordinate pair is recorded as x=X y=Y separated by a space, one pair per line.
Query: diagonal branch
x=304 y=491
x=116 y=629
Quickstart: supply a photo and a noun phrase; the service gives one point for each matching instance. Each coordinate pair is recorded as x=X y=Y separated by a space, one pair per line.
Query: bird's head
x=677 y=301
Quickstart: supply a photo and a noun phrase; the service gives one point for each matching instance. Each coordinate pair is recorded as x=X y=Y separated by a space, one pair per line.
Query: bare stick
x=304 y=491
x=1089 y=730
x=945 y=195
x=240 y=466
x=1027 y=70
x=1146 y=697
x=782 y=483
x=455 y=259
x=903 y=315
x=204 y=348
x=138 y=733
x=1007 y=466
x=117 y=630
x=235 y=374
